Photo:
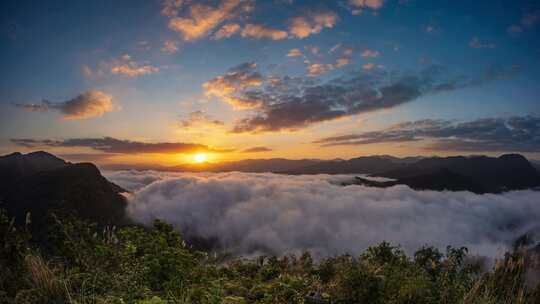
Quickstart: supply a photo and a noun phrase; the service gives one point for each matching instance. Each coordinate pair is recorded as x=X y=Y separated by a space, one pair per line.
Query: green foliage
x=83 y=263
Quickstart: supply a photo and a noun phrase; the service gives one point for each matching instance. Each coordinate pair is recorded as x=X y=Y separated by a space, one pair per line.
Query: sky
x=152 y=81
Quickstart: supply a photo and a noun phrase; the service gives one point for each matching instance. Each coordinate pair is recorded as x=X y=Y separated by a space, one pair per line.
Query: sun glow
x=200 y=158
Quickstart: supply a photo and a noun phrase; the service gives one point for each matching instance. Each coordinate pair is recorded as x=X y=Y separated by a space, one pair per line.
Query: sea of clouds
x=249 y=213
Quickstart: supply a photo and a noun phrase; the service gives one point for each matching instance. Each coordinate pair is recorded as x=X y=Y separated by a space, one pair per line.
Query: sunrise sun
x=200 y=158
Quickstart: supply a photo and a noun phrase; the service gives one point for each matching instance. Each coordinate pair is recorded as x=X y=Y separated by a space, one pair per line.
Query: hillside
x=40 y=182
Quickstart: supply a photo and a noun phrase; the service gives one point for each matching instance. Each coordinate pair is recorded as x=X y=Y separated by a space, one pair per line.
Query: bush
x=83 y=263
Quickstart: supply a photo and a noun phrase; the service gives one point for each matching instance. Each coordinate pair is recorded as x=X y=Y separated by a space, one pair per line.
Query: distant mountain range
x=40 y=182
x=479 y=174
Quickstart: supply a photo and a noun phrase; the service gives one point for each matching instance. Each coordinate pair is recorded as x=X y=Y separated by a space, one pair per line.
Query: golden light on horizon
x=200 y=158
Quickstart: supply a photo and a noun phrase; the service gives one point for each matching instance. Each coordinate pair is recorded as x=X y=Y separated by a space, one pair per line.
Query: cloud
x=237 y=79
x=199 y=20
x=126 y=66
x=198 y=118
x=475 y=43
x=312 y=23
x=527 y=21
x=256 y=150
x=295 y=53
x=370 y=54
x=431 y=29
x=86 y=71
x=530 y=19
x=227 y=31
x=86 y=105
x=372 y=4
x=514 y=29
x=371 y=66
x=316 y=69
x=292 y=103
x=512 y=134
x=196 y=20
x=289 y=105
x=170 y=46
x=259 y=31
x=170 y=7
x=278 y=214
x=121 y=146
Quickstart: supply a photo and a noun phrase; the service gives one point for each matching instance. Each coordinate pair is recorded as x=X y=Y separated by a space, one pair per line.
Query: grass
x=82 y=263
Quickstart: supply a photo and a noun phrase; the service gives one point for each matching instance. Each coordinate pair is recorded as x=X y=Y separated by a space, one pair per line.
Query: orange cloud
x=294 y=53
x=260 y=31
x=236 y=80
x=227 y=31
x=341 y=62
x=201 y=19
x=313 y=23
x=126 y=66
x=316 y=69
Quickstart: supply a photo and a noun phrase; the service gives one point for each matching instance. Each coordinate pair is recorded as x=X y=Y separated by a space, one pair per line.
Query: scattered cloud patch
x=198 y=118
x=343 y=57
x=170 y=46
x=128 y=67
x=513 y=29
x=259 y=31
x=370 y=54
x=227 y=31
x=316 y=69
x=198 y=20
x=225 y=18
x=86 y=105
x=295 y=53
x=475 y=43
x=372 y=4
x=312 y=23
x=372 y=66
x=527 y=21
x=170 y=7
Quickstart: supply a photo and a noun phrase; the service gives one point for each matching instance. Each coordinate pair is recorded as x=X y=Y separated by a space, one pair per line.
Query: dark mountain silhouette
x=16 y=165
x=507 y=172
x=359 y=165
x=536 y=164
x=40 y=182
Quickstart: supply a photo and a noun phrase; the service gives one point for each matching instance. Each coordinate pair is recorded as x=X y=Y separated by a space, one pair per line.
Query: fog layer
x=270 y=213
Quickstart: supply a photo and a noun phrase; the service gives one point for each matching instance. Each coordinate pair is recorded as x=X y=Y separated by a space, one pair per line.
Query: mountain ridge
x=38 y=183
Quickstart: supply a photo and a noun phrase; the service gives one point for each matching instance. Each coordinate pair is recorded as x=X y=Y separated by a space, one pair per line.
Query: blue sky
x=136 y=71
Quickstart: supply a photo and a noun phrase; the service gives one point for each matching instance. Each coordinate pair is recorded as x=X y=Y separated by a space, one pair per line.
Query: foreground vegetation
x=82 y=263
